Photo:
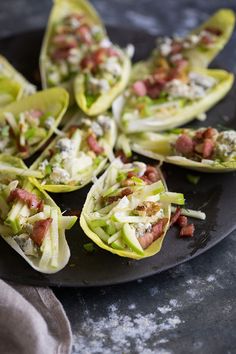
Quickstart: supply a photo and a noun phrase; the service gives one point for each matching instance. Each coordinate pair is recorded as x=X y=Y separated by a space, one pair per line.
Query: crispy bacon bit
x=187 y=231
x=94 y=59
x=73 y=212
x=60 y=54
x=207 y=149
x=121 y=155
x=151 y=175
x=214 y=30
x=182 y=220
x=176 y=48
x=84 y=33
x=149 y=237
x=139 y=88
x=40 y=230
x=184 y=144
x=125 y=192
x=175 y=216
x=93 y=144
x=72 y=129
x=209 y=133
x=36 y=113
x=26 y=197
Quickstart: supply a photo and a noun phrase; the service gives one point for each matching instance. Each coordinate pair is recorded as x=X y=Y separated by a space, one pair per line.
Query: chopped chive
x=89 y=247
x=193 y=179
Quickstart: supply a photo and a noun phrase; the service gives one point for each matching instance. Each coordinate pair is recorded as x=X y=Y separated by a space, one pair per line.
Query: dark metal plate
x=214 y=194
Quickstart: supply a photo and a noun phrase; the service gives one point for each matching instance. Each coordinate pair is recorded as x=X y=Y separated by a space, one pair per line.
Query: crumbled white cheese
x=86 y=121
x=49 y=122
x=112 y=66
x=130 y=50
x=141 y=228
x=104 y=121
x=74 y=22
x=59 y=175
x=202 y=80
x=98 y=85
x=176 y=88
x=97 y=129
x=226 y=145
x=54 y=77
x=165 y=46
x=105 y=43
x=26 y=244
x=64 y=144
x=74 y=56
x=43 y=165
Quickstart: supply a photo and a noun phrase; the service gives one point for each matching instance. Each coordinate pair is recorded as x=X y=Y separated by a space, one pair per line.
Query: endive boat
x=73 y=28
x=151 y=106
x=202 y=44
x=78 y=155
x=27 y=124
x=30 y=221
x=127 y=211
x=7 y=71
x=104 y=76
x=204 y=149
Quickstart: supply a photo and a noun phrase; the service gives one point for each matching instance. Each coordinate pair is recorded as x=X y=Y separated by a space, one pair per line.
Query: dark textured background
x=190 y=309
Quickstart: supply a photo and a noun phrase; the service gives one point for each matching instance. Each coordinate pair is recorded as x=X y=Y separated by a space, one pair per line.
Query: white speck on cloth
x=125 y=333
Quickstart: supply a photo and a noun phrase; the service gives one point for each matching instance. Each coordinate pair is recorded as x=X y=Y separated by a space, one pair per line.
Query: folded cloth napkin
x=33 y=321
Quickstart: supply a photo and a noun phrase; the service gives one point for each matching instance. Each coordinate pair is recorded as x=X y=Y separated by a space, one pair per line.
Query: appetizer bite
x=30 y=221
x=105 y=74
x=78 y=155
x=160 y=97
x=73 y=28
x=127 y=211
x=26 y=125
x=7 y=71
x=204 y=149
x=201 y=45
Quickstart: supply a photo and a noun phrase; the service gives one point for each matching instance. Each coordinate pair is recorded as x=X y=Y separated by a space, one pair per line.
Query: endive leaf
x=103 y=101
x=52 y=101
x=60 y=10
x=10 y=91
x=88 y=209
x=7 y=233
x=159 y=146
x=224 y=21
x=8 y=71
x=85 y=175
x=180 y=115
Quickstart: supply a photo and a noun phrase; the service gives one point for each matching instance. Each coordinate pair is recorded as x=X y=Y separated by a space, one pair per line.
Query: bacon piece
x=125 y=192
x=176 y=48
x=62 y=41
x=214 y=30
x=146 y=240
x=151 y=175
x=40 y=230
x=184 y=144
x=182 y=220
x=207 y=149
x=84 y=33
x=187 y=231
x=121 y=155
x=72 y=212
x=26 y=197
x=149 y=237
x=153 y=89
x=60 y=54
x=139 y=88
x=175 y=216
x=209 y=133
x=36 y=113
x=93 y=144
x=207 y=39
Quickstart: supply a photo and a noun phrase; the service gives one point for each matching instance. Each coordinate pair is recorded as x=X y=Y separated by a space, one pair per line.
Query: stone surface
x=189 y=309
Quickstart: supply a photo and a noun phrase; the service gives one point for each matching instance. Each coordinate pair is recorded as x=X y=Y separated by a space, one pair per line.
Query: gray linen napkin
x=33 y=321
